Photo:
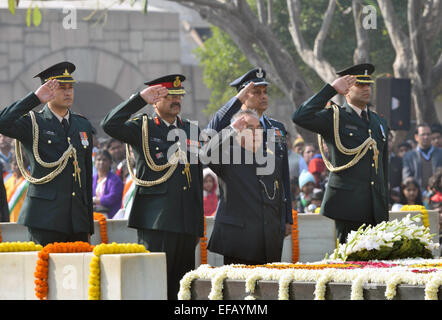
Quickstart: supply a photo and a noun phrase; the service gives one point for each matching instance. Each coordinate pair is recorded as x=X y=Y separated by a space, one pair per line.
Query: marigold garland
x=102 y=221
x=94 y=273
x=203 y=244
x=41 y=271
x=295 y=240
x=422 y=209
x=19 y=246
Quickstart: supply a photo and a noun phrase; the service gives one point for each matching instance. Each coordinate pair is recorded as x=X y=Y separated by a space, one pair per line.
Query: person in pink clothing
x=211 y=193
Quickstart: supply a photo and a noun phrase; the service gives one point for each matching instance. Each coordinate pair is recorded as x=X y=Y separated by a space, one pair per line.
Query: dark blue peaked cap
x=256 y=75
x=362 y=72
x=61 y=71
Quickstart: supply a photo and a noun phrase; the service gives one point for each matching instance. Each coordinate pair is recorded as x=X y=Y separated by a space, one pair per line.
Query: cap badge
x=177 y=82
x=366 y=73
x=259 y=74
x=66 y=73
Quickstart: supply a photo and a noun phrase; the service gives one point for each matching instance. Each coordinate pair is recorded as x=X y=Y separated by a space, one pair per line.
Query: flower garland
x=203 y=244
x=41 y=271
x=295 y=239
x=19 y=246
x=422 y=209
x=102 y=221
x=113 y=248
x=389 y=274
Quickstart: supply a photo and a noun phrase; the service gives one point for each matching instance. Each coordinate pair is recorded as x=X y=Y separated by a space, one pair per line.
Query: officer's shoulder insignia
x=78 y=114
x=139 y=116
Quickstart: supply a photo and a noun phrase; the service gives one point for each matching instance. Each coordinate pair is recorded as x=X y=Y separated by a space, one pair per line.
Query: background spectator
x=4 y=211
x=298 y=145
x=210 y=191
x=436 y=135
x=410 y=194
x=16 y=188
x=309 y=152
x=107 y=187
x=5 y=152
x=423 y=161
x=306 y=185
x=118 y=153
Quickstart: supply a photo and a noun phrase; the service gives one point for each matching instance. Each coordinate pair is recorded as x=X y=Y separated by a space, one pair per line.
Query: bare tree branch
x=270 y=12
x=362 y=51
x=262 y=13
x=324 y=69
x=322 y=34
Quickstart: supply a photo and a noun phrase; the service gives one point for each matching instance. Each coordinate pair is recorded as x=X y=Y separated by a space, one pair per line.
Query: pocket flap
x=340 y=182
x=157 y=189
x=230 y=220
x=42 y=192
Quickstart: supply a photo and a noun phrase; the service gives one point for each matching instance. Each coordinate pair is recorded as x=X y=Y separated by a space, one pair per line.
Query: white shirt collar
x=61 y=118
x=169 y=124
x=356 y=109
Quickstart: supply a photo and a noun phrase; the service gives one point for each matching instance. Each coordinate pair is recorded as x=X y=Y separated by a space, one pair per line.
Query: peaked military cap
x=362 y=72
x=256 y=75
x=172 y=82
x=61 y=71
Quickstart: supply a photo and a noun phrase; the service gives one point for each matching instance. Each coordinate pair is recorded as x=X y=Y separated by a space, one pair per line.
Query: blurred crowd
x=415 y=175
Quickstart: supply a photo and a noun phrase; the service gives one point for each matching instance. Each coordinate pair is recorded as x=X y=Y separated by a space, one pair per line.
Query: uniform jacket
x=4 y=210
x=358 y=193
x=250 y=218
x=61 y=204
x=169 y=206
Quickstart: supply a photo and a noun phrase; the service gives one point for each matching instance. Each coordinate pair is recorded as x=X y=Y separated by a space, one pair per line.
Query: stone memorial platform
x=137 y=276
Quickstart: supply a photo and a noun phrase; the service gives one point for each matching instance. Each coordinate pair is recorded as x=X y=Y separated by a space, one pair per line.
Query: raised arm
x=116 y=122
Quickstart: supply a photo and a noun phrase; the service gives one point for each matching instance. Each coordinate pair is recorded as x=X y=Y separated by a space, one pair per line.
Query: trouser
x=44 y=237
x=180 y=254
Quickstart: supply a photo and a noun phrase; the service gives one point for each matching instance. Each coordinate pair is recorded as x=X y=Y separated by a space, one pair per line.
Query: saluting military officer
x=167 y=210
x=250 y=202
x=357 y=140
x=58 y=142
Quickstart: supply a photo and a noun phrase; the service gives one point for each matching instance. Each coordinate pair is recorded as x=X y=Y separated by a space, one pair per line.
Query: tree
x=417 y=50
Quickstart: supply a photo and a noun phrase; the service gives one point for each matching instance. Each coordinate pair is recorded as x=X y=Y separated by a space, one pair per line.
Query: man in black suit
x=254 y=212
x=58 y=143
x=167 y=209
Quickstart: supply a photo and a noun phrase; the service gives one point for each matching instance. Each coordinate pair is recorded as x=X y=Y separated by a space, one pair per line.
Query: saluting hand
x=154 y=94
x=46 y=92
x=243 y=94
x=240 y=124
x=343 y=84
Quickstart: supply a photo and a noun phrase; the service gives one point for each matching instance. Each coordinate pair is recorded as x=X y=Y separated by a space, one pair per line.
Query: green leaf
x=11 y=6
x=36 y=17
x=28 y=16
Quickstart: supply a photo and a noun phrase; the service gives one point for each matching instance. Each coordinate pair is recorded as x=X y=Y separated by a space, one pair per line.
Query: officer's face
x=359 y=94
x=258 y=99
x=64 y=95
x=170 y=105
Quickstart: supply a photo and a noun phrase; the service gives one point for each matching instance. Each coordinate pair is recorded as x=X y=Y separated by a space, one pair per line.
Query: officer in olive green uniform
x=357 y=190
x=168 y=206
x=58 y=142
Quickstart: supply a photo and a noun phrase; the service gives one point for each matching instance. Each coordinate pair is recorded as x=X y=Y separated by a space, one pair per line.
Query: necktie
x=65 y=125
x=364 y=116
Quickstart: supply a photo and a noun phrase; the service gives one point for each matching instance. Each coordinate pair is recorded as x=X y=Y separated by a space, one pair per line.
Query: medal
x=84 y=140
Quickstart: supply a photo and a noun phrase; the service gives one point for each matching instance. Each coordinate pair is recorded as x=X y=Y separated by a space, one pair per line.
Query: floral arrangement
x=387 y=241
x=113 y=248
x=19 y=246
x=203 y=244
x=102 y=222
x=41 y=271
x=415 y=272
x=295 y=239
x=422 y=209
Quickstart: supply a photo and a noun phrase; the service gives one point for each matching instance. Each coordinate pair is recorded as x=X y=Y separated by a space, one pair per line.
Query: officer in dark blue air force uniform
x=245 y=196
x=357 y=190
x=58 y=204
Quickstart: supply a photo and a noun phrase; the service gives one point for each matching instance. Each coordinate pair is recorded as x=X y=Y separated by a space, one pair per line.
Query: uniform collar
x=356 y=109
x=48 y=113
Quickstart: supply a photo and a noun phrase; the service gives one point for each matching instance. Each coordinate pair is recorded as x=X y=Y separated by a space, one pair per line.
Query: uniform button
x=182 y=172
x=370 y=148
x=49 y=141
x=157 y=148
x=351 y=134
x=85 y=147
x=372 y=183
x=372 y=165
x=73 y=174
x=73 y=194
x=184 y=188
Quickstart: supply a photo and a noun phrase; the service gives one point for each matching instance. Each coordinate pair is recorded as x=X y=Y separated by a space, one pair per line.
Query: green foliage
x=405 y=248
